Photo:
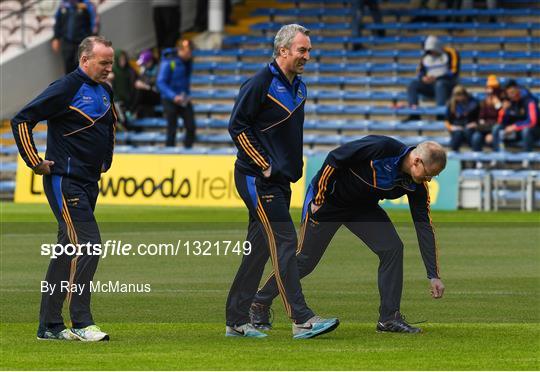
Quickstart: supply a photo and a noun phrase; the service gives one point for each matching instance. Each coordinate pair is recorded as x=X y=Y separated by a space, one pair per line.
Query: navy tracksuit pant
x=272 y=234
x=72 y=202
x=372 y=225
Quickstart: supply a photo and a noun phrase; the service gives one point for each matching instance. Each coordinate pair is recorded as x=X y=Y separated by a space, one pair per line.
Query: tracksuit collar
x=80 y=73
x=274 y=68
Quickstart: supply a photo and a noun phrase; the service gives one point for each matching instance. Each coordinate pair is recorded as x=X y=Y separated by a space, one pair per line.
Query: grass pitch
x=489 y=318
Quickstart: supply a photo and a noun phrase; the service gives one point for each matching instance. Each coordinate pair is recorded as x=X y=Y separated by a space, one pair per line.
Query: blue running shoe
x=314 y=327
x=245 y=330
x=65 y=335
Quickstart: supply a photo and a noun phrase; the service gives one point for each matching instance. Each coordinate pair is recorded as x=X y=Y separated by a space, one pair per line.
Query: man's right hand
x=55 y=45
x=267 y=172
x=44 y=167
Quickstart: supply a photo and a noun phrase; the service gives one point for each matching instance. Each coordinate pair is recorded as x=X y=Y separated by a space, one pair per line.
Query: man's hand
x=437 y=288
x=314 y=207
x=267 y=172
x=472 y=125
x=55 y=45
x=509 y=129
x=44 y=167
x=428 y=79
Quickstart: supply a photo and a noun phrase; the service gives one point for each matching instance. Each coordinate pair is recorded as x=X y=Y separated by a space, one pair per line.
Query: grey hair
x=432 y=152
x=86 y=47
x=285 y=36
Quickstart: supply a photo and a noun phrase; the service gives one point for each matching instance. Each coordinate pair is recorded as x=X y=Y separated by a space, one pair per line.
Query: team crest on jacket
x=105 y=100
x=300 y=94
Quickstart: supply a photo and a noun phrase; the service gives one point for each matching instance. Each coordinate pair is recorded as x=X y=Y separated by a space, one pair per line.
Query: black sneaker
x=398 y=324
x=260 y=316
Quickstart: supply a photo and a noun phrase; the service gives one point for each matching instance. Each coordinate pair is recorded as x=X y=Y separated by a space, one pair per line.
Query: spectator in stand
x=438 y=73
x=146 y=93
x=74 y=21
x=123 y=79
x=174 y=85
x=518 y=119
x=358 y=8
x=462 y=119
x=489 y=113
x=167 y=19
x=201 y=16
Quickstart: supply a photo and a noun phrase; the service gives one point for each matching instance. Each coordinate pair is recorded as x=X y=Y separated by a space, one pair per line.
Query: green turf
x=489 y=318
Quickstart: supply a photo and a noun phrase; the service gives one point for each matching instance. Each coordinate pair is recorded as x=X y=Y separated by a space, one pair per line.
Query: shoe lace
x=93 y=327
x=400 y=318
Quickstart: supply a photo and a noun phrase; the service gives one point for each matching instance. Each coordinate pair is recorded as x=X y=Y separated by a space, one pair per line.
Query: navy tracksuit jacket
x=348 y=187
x=80 y=140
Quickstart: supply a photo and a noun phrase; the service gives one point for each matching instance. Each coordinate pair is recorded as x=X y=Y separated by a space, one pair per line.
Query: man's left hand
x=437 y=288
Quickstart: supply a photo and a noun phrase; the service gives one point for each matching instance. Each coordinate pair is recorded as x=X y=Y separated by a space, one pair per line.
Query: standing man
x=80 y=139
x=173 y=83
x=267 y=127
x=74 y=20
x=346 y=191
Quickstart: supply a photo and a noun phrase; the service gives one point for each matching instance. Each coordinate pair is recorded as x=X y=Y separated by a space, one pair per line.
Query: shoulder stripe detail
x=288 y=116
x=82 y=113
x=279 y=103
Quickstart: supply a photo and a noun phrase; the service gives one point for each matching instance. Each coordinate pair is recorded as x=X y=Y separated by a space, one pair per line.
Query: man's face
x=99 y=64
x=513 y=94
x=184 y=52
x=421 y=172
x=297 y=56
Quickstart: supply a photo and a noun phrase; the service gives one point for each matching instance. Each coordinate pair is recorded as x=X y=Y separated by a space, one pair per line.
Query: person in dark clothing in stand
x=173 y=83
x=346 y=192
x=80 y=141
x=74 y=21
x=462 y=119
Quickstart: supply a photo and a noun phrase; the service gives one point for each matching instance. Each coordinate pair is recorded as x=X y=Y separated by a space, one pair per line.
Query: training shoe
x=91 y=333
x=260 y=316
x=314 y=327
x=64 y=334
x=398 y=324
x=245 y=330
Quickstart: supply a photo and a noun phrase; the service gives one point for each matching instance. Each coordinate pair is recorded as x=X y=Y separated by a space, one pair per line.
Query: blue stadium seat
x=8 y=166
x=7 y=186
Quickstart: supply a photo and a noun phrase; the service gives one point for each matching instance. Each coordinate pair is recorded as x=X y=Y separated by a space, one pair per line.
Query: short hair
x=431 y=152
x=511 y=84
x=86 y=47
x=285 y=36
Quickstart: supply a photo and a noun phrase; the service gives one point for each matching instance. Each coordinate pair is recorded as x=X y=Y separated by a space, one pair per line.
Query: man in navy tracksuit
x=173 y=83
x=80 y=139
x=74 y=21
x=346 y=191
x=267 y=127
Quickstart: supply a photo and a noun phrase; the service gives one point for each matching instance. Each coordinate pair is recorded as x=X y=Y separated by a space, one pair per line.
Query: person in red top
x=518 y=119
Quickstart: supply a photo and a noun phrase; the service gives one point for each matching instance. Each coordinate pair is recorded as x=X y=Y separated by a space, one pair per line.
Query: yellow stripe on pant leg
x=273 y=254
